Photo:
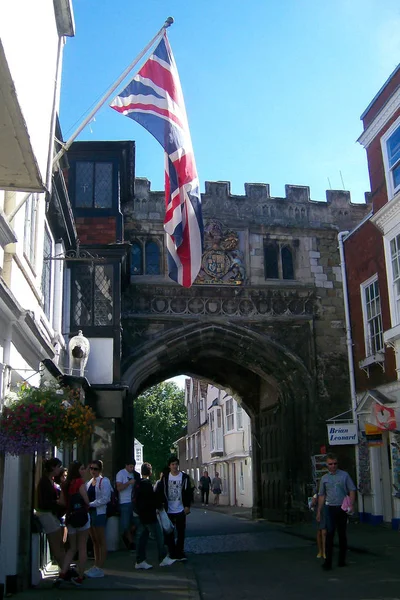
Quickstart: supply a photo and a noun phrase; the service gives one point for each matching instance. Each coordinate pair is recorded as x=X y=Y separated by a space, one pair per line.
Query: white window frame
x=229 y=416
x=187 y=448
x=376 y=318
x=192 y=447
x=213 y=430
x=196 y=439
x=394 y=298
x=138 y=454
x=49 y=265
x=391 y=189
x=30 y=229
x=239 y=416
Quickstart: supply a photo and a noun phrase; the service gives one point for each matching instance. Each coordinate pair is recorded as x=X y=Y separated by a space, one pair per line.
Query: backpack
x=113 y=503
x=77 y=515
x=135 y=489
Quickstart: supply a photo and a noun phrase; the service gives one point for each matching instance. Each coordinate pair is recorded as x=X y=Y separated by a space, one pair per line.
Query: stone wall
x=278 y=344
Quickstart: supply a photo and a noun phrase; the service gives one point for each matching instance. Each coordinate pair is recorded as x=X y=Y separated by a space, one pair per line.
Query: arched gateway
x=264 y=319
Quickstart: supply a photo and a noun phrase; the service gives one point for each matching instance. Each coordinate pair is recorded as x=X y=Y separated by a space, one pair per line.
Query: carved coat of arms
x=222 y=260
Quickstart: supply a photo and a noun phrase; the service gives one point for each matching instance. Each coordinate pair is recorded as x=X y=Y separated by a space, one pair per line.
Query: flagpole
x=100 y=103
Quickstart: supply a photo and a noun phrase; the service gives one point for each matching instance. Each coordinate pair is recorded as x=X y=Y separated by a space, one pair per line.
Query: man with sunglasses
x=334 y=487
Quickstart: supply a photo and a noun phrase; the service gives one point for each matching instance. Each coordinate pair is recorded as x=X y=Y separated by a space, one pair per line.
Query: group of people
x=69 y=504
x=71 y=508
x=206 y=484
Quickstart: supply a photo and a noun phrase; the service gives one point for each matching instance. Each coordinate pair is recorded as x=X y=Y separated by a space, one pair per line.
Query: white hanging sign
x=339 y=435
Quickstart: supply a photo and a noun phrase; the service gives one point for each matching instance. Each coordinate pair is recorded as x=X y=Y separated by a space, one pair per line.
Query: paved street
x=235 y=558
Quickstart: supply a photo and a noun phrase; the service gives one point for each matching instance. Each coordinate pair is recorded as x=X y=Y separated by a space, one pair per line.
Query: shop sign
x=339 y=435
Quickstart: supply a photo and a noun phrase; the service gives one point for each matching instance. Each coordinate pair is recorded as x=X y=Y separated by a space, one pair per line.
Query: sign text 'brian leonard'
x=342 y=434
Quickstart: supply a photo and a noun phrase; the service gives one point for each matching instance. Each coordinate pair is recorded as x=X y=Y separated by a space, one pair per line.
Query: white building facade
x=221 y=442
x=32 y=37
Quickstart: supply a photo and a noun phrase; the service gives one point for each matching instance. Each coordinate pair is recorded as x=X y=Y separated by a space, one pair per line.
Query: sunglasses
x=331 y=464
x=94 y=468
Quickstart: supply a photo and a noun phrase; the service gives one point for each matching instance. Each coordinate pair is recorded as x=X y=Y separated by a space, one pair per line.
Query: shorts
x=49 y=522
x=125 y=516
x=73 y=530
x=97 y=520
x=217 y=491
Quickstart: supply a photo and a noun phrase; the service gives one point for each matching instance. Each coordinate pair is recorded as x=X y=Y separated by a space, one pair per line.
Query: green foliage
x=159 y=419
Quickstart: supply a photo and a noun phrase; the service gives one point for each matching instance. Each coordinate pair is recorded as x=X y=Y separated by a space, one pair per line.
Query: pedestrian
x=334 y=487
x=321 y=525
x=49 y=509
x=205 y=484
x=58 y=481
x=73 y=493
x=125 y=479
x=99 y=494
x=147 y=503
x=175 y=494
x=216 y=486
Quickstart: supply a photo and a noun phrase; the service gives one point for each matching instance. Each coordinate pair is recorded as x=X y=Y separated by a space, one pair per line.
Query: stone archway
x=274 y=385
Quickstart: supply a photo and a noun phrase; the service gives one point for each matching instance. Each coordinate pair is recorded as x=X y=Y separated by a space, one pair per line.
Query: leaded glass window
x=152 y=259
x=136 y=259
x=92 y=295
x=287 y=263
x=271 y=261
x=93 y=184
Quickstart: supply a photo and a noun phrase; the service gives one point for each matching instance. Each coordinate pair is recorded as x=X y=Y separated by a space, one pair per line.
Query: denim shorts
x=125 y=516
x=97 y=520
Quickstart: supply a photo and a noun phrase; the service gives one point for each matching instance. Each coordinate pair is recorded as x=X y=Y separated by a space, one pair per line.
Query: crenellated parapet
x=257 y=205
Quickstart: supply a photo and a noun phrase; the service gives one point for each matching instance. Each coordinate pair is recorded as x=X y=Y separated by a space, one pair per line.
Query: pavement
x=231 y=555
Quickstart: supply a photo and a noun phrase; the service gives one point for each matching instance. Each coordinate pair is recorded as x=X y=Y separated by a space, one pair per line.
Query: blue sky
x=273 y=90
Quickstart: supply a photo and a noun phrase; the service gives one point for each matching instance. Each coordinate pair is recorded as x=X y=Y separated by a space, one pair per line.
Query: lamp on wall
x=79 y=349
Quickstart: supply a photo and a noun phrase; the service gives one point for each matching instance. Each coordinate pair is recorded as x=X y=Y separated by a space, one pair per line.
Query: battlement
x=257 y=204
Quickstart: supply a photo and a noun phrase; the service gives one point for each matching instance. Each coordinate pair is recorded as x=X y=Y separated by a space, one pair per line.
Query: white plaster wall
x=99 y=368
x=31 y=51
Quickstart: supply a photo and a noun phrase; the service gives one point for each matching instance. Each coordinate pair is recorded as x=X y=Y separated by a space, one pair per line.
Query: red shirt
x=74 y=488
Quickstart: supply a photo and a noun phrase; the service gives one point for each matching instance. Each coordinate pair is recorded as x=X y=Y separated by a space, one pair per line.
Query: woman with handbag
x=75 y=498
x=99 y=494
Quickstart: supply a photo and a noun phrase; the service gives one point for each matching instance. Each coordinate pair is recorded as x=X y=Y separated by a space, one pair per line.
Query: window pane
x=393 y=147
x=136 y=260
x=152 y=259
x=82 y=295
x=271 y=261
x=103 y=185
x=396 y=176
x=372 y=312
x=84 y=185
x=103 y=295
x=287 y=263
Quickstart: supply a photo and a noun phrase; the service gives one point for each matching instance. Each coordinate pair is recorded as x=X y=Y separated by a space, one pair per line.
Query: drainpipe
x=349 y=343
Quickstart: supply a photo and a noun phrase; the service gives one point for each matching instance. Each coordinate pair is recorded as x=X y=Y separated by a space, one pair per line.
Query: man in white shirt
x=125 y=479
x=176 y=494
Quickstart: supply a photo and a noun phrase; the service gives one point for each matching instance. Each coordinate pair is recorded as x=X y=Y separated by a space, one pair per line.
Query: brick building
x=372 y=260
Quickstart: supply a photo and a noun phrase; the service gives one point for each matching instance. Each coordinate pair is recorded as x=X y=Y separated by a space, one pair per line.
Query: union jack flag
x=154 y=99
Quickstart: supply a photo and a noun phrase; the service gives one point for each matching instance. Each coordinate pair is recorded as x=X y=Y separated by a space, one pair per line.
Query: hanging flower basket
x=43 y=417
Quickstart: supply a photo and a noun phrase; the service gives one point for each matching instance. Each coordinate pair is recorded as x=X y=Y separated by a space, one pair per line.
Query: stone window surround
x=280 y=244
